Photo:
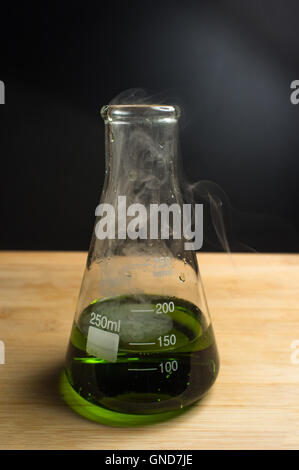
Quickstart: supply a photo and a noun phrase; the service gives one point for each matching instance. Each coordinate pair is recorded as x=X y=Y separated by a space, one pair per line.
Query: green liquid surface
x=165 y=360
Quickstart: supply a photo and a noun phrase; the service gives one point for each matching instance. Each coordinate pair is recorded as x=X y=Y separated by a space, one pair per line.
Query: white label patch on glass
x=102 y=344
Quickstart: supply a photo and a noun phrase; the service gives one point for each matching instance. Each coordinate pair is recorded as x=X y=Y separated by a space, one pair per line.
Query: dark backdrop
x=229 y=64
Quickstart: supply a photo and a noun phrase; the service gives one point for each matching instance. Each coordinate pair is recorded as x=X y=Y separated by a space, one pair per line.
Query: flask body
x=142 y=346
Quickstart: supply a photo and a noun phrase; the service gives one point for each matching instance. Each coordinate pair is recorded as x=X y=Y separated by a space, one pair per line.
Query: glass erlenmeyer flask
x=142 y=346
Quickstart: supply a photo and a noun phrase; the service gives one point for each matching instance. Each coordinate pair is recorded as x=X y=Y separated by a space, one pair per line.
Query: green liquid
x=166 y=360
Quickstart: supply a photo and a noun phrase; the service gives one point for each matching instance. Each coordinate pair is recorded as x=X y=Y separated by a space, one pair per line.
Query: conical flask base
x=128 y=365
x=107 y=417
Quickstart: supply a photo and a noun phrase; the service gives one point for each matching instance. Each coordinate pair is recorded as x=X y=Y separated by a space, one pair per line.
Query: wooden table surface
x=254 y=404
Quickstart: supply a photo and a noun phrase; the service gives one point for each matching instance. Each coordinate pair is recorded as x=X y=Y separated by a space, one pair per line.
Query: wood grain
x=254 y=404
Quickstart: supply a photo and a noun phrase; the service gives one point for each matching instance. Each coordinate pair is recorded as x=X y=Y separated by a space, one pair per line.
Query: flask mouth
x=123 y=112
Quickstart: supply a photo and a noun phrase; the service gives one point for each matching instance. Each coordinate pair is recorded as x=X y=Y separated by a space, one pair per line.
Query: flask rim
x=115 y=112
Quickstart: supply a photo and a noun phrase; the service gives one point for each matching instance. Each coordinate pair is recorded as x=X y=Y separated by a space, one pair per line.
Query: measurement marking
x=149 y=368
x=140 y=344
x=151 y=310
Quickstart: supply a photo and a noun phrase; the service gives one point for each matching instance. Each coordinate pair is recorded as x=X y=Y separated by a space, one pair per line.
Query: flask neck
x=141 y=154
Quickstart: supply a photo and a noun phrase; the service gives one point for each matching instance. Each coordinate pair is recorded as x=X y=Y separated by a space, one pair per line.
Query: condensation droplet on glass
x=182 y=277
x=132 y=175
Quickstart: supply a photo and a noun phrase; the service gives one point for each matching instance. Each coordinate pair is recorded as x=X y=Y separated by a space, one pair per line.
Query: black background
x=228 y=64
